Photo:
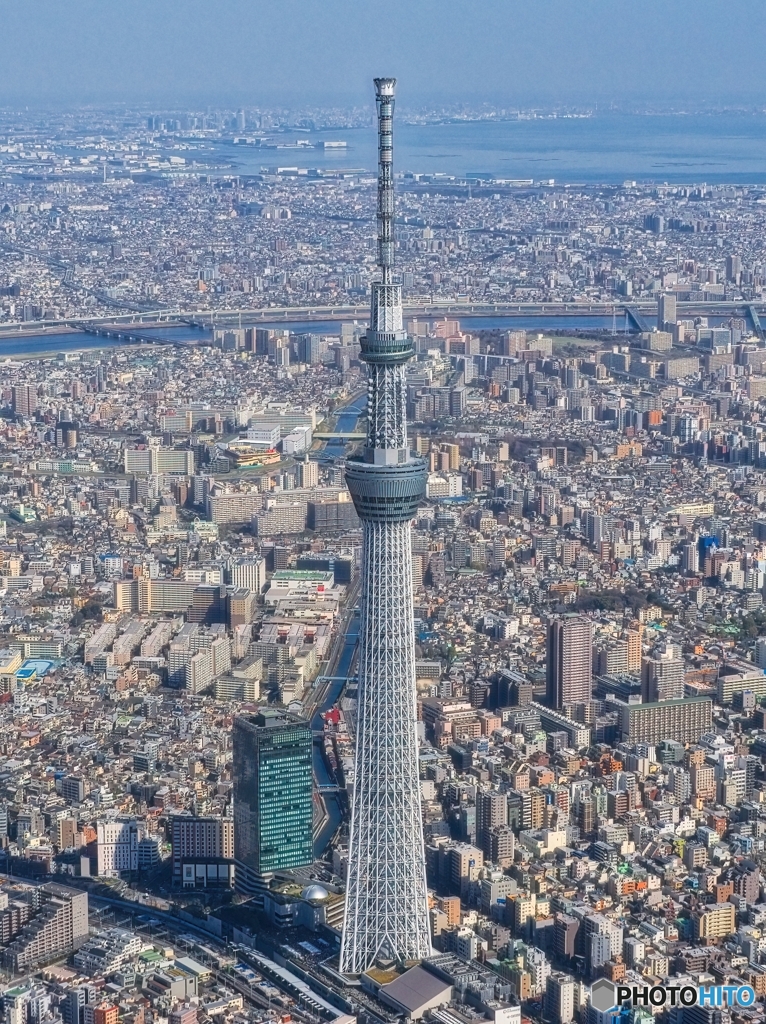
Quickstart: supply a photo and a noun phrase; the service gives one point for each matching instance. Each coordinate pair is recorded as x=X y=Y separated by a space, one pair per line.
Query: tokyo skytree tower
x=386 y=902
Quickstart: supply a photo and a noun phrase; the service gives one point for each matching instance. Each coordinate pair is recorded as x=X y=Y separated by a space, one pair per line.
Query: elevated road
x=241 y=317
x=451 y=307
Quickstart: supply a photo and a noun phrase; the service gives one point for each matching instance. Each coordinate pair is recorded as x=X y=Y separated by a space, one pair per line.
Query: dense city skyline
x=382 y=544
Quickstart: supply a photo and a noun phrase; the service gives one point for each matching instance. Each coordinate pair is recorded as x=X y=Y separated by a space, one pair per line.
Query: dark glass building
x=273 y=807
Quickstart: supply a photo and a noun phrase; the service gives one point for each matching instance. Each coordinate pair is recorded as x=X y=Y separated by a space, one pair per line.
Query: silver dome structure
x=315 y=892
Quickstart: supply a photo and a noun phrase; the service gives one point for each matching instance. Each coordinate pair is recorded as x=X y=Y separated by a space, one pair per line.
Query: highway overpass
x=159 y=319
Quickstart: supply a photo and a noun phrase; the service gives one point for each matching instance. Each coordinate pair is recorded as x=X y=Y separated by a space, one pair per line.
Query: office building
x=341 y=566
x=117 y=846
x=569 y=661
x=242 y=607
x=273 y=809
x=202 y=850
x=386 y=898
x=208 y=605
x=153 y=459
x=249 y=573
x=73 y=789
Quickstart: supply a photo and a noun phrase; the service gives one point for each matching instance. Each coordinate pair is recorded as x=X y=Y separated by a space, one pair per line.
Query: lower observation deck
x=386 y=494
x=386 y=348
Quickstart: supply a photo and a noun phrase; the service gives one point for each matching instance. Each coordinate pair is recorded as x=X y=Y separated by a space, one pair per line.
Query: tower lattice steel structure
x=386 y=907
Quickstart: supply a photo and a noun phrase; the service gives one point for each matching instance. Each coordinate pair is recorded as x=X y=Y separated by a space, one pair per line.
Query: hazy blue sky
x=325 y=51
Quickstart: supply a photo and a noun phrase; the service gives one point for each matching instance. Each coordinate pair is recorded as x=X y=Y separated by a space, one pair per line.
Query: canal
x=321 y=775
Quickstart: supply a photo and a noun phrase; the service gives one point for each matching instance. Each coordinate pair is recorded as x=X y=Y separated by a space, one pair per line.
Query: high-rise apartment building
x=667 y=313
x=273 y=807
x=501 y=847
x=491 y=811
x=57 y=927
x=102 y=1013
x=662 y=675
x=183 y=1015
x=634 y=648
x=569 y=661
x=514 y=342
x=308 y=473
x=24 y=399
x=733 y=268
x=74 y=1001
x=560 y=998
x=681 y=720
x=233 y=506
x=280 y=517
x=716 y=921
x=760 y=652
x=156 y=459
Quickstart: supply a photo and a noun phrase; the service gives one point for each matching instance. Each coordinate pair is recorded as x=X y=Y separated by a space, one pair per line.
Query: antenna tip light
x=384 y=87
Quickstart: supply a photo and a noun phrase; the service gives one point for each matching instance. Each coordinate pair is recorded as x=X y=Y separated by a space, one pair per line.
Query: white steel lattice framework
x=386 y=900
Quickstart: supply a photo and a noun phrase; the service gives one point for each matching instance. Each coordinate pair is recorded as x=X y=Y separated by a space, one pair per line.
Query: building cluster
x=588 y=600
x=180 y=560
x=71 y=976
x=98 y=217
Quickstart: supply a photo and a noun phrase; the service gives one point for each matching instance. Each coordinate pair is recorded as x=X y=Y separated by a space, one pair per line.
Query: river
x=346 y=423
x=47 y=343
x=321 y=775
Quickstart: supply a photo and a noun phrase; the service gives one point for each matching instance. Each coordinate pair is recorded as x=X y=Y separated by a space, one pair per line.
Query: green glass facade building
x=273 y=805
